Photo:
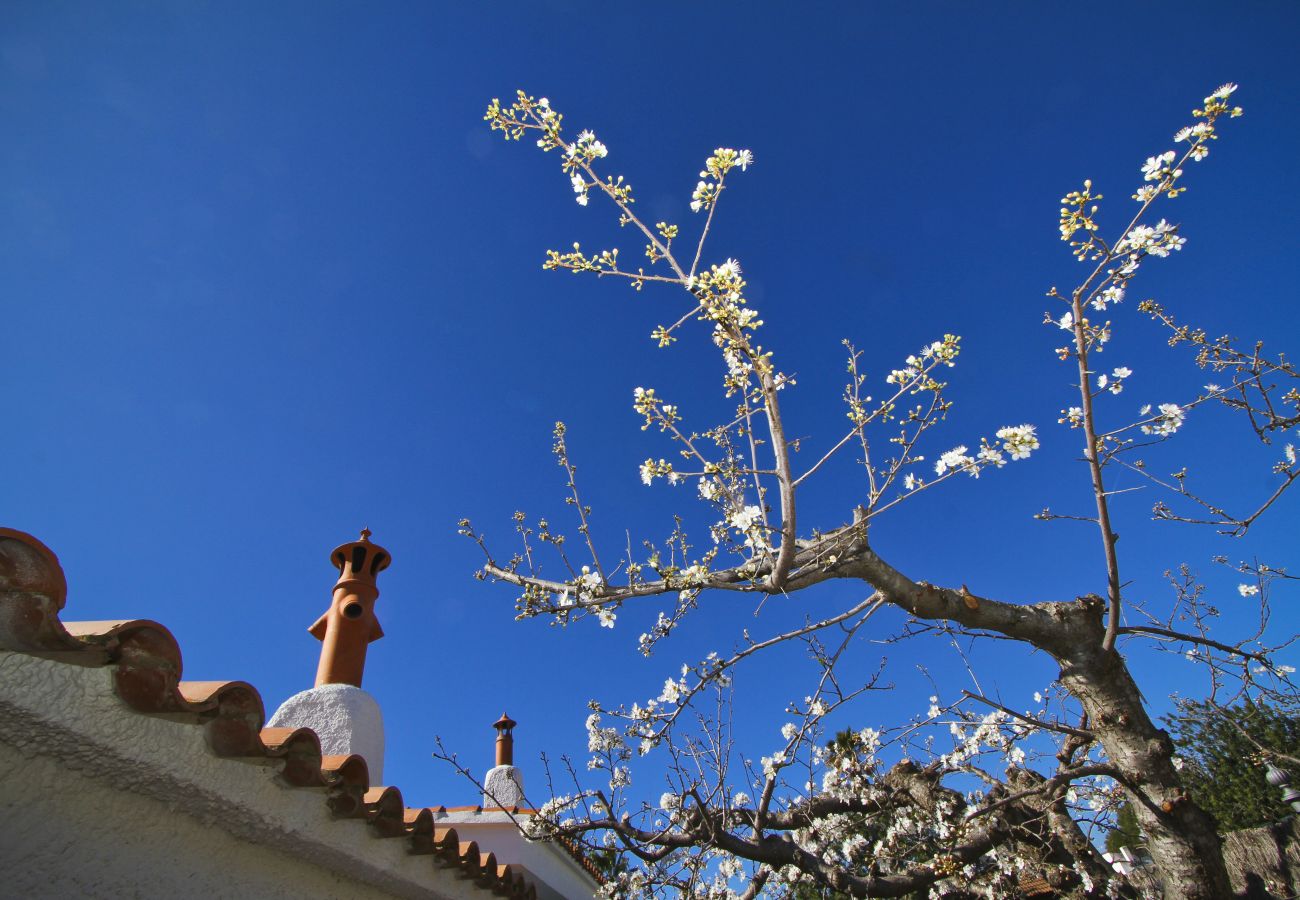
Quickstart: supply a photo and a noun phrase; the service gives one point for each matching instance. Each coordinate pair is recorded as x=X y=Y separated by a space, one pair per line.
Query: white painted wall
x=552 y=870
x=99 y=801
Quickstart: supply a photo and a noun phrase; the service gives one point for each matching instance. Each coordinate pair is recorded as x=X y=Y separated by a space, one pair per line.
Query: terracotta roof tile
x=1034 y=886
x=147 y=668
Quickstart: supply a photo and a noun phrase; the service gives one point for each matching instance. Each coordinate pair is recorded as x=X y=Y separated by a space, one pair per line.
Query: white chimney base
x=345 y=718
x=504 y=787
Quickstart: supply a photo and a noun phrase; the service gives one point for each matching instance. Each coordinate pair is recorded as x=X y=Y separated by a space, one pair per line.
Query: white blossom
x=1223 y=92
x=992 y=456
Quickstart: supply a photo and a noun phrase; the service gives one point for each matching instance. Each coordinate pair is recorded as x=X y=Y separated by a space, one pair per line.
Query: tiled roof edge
x=147 y=672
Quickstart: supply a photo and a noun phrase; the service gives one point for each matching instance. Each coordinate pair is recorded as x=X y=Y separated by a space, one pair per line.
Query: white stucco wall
x=99 y=801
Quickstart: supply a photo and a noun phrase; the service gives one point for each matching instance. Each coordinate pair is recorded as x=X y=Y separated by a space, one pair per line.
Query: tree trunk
x=1182 y=838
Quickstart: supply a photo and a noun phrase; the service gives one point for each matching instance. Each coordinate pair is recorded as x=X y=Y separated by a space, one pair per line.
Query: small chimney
x=505 y=740
x=344 y=717
x=504 y=785
x=349 y=625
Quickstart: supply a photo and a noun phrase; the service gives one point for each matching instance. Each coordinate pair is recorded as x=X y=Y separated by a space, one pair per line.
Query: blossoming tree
x=877 y=811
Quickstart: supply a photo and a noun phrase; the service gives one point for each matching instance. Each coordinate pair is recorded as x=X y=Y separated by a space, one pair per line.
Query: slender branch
x=1192 y=639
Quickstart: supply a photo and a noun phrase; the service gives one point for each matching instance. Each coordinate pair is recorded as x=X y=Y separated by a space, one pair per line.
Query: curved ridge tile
x=487 y=869
x=446 y=842
x=447 y=846
x=419 y=831
x=510 y=883
x=468 y=858
x=418 y=821
x=348 y=779
x=147 y=660
x=232 y=714
x=27 y=565
x=385 y=811
x=299 y=751
x=33 y=590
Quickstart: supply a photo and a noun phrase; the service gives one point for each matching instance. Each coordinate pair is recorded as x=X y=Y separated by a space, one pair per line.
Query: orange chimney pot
x=505 y=740
x=349 y=625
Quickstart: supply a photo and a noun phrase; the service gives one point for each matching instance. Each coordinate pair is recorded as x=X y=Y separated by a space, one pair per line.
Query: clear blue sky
x=266 y=278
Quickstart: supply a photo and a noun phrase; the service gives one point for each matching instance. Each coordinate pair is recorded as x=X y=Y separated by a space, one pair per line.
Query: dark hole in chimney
x=353 y=610
x=379 y=560
x=358 y=558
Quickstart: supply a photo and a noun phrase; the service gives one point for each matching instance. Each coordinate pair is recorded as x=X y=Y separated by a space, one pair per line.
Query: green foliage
x=609 y=862
x=1223 y=768
x=1126 y=833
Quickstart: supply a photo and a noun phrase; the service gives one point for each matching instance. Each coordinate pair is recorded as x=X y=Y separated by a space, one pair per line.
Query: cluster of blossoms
x=1115 y=381
x=711 y=488
x=1169 y=419
x=655 y=410
x=1077 y=211
x=993 y=732
x=1106 y=296
x=1160 y=167
x=915 y=374
x=576 y=261
x=1018 y=441
x=1161 y=173
x=582 y=153
x=749 y=521
x=719 y=290
x=650 y=470
x=584 y=588
x=1157 y=241
x=1072 y=416
x=955 y=459
x=587 y=148
x=716 y=167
